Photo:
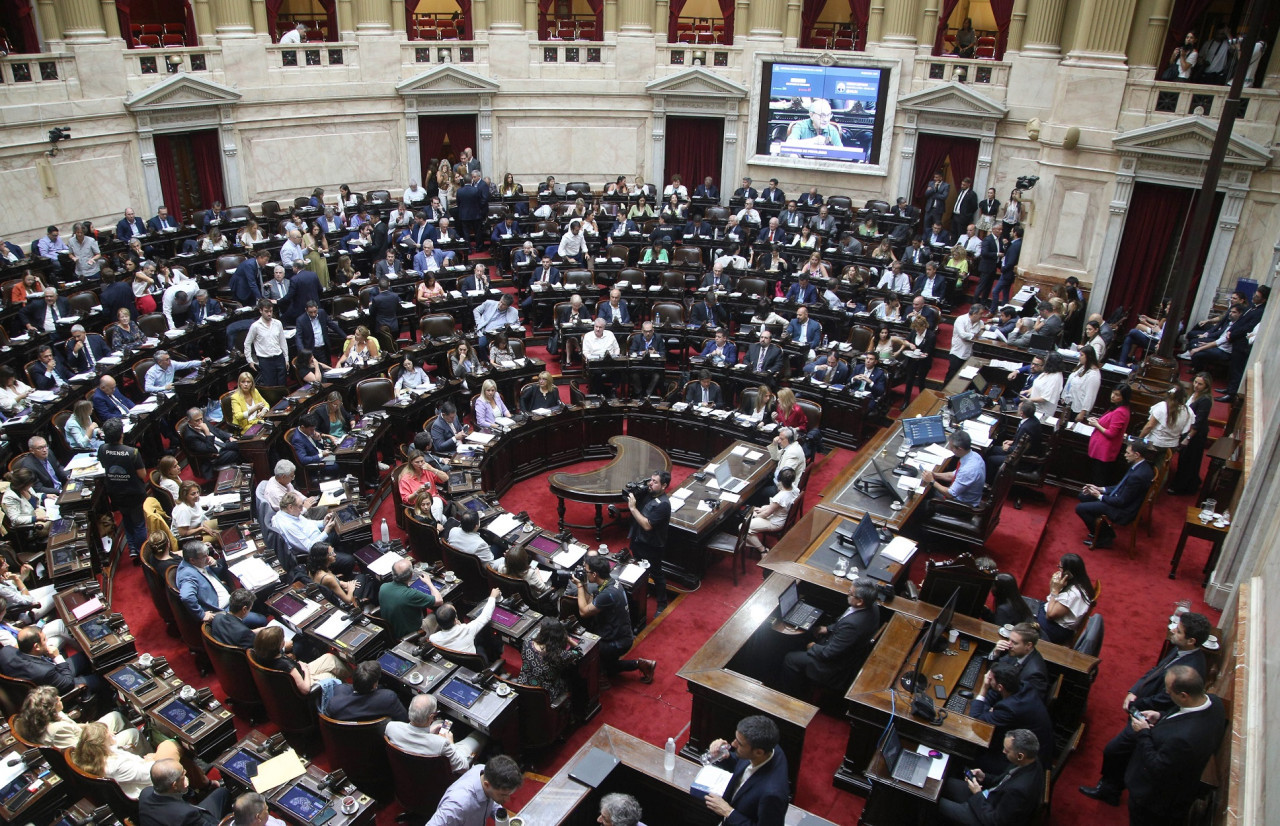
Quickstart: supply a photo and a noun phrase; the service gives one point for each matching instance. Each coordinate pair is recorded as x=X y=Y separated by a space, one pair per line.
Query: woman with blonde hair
x=764 y=405
x=190 y=520
x=361 y=349
x=788 y=413
x=489 y=406
x=250 y=234
x=159 y=555
x=170 y=473
x=82 y=432
x=99 y=754
x=247 y=404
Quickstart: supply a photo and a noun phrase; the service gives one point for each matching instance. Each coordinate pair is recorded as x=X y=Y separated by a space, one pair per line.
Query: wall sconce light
x=699 y=57
x=173 y=63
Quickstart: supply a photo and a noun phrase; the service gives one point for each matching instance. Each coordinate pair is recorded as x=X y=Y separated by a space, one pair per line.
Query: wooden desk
x=635 y=459
x=721 y=678
x=1192 y=526
x=664 y=796
x=892 y=802
x=800 y=553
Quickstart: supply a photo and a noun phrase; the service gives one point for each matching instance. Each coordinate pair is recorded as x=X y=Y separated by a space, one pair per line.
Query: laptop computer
x=726 y=479
x=905 y=766
x=985 y=388
x=794 y=612
x=1041 y=343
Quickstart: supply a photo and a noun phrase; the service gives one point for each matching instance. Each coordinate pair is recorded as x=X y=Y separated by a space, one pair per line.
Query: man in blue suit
x=1008 y=703
x=430 y=259
x=47 y=373
x=708 y=312
x=1120 y=503
x=707 y=189
x=246 y=283
x=473 y=202
x=696 y=228
x=201 y=587
x=720 y=351
x=83 y=351
x=1008 y=268
x=803 y=330
x=306 y=286
x=108 y=402
x=129 y=226
x=872 y=378
x=614 y=311
x=306 y=443
x=772 y=234
x=802 y=292
x=203 y=307
x=829 y=368
x=761 y=799
x=117 y=294
x=162 y=221
x=505 y=230
x=318 y=333
x=931 y=283
x=623 y=227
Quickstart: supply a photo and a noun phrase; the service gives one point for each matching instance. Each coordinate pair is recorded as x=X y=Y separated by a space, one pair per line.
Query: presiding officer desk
x=663 y=795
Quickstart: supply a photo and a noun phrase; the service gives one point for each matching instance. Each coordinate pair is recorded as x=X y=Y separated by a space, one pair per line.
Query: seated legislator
x=1019 y=649
x=541 y=396
x=300 y=532
x=646 y=343
x=828 y=368
x=50 y=475
x=38 y=660
x=43 y=721
x=228 y=627
x=615 y=310
x=837 y=653
x=82 y=351
x=363 y=700
x=212 y=447
x=870 y=376
x=965 y=483
x=468 y=637
x=758 y=792
x=704 y=392
x=1014 y=796
x=708 y=312
x=200 y=585
x=516 y=563
x=426 y=736
x=802 y=292
x=1071 y=595
x=720 y=351
x=716 y=280
x=547 y=657
x=108 y=401
x=164 y=803
x=308 y=443
x=402 y=605
x=1120 y=502
x=597 y=345
x=1008 y=703
x=48 y=373
x=413 y=378
x=421 y=473
x=1029 y=428
x=802 y=330
x=447 y=429
x=764 y=356
x=98 y=753
x=465 y=538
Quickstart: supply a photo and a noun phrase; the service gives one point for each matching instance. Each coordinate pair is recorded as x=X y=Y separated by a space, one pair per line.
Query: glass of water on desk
x=841 y=567
x=710 y=758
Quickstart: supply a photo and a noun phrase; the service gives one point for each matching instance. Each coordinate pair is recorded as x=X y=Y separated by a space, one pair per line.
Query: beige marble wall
x=285 y=160
x=592 y=150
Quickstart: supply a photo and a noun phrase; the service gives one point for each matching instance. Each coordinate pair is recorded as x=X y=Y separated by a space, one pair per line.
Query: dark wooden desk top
x=689 y=518
x=635 y=459
x=792 y=556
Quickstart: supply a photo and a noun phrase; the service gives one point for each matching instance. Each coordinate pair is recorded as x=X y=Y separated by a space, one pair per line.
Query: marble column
x=1151 y=21
x=639 y=16
x=397 y=18
x=907 y=155
x=927 y=23
x=112 y=20
x=767 y=19
x=50 y=28
x=479 y=16
x=346 y=19
x=484 y=134
x=411 y=137
x=986 y=152
x=611 y=15
x=729 y=155
x=506 y=15
x=791 y=29
x=258 y=14
x=658 y=133
x=1042 y=36
x=82 y=21
x=1102 y=32
x=232 y=177
x=1017 y=25
x=150 y=172
x=1119 y=211
x=875 y=22
x=204 y=21
x=234 y=18
x=901 y=19
x=1224 y=235
x=373 y=15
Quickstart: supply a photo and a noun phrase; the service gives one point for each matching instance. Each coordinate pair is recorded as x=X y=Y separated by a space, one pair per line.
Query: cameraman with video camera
x=648 y=535
x=609 y=603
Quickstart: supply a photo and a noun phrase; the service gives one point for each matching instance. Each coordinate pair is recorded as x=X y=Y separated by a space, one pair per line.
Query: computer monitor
x=867 y=540
x=965 y=406
x=934 y=633
x=1041 y=343
x=980 y=383
x=923 y=430
x=461 y=693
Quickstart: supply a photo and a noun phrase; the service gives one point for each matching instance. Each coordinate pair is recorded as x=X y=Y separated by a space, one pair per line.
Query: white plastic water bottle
x=669 y=756
x=386 y=533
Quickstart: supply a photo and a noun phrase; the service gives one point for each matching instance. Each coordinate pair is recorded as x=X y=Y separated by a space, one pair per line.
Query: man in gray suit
x=425 y=736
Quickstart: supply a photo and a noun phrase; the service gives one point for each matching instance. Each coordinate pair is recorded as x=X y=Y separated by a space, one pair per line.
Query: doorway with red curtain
x=1155 y=233
x=190 y=167
x=694 y=150
x=956 y=158
x=445 y=136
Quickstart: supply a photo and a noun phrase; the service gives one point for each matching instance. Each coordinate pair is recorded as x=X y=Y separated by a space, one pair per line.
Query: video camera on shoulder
x=639 y=489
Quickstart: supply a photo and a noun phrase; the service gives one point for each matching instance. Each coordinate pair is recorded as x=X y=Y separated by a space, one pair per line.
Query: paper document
x=278 y=770
x=936 y=767
x=731 y=498
x=334 y=625
x=569 y=556
x=84 y=609
x=289 y=633
x=710 y=780
x=1001 y=364
x=630 y=574
x=82 y=460
x=504 y=524
x=1082 y=428
x=968 y=372
x=480 y=438
x=253 y=573
x=899 y=549
x=382 y=565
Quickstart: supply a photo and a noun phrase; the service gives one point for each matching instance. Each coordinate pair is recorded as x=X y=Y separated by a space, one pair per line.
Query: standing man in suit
x=1019 y=649
x=1008 y=268
x=965 y=206
x=990 y=800
x=473 y=204
x=50 y=476
x=129 y=226
x=1120 y=503
x=988 y=262
x=839 y=650
x=384 y=307
x=316 y=332
x=935 y=198
x=165 y=804
x=758 y=792
x=306 y=286
x=764 y=356
x=246 y=282
x=162 y=221
x=1239 y=338
x=1007 y=703
x=1151 y=694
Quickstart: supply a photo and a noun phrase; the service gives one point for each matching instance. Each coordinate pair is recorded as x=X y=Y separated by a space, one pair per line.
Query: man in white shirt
x=597 y=344
x=785 y=449
x=281 y=483
x=292 y=250
x=423 y=735
x=1046 y=387
x=461 y=636
x=895 y=279
x=970 y=240
x=414 y=195
x=573 y=244
x=494 y=315
x=967 y=328
x=160 y=376
x=465 y=538
x=265 y=346
x=300 y=533
x=177 y=299
x=294 y=35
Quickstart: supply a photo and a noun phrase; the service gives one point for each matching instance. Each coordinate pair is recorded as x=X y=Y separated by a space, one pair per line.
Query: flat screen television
x=829 y=113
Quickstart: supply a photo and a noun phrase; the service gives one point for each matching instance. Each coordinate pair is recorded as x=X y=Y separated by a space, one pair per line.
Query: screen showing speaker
x=831 y=113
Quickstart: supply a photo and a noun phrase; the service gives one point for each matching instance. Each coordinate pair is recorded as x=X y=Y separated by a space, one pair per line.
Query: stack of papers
x=504 y=524
x=479 y=438
x=382 y=565
x=333 y=626
x=1082 y=428
x=1001 y=364
x=253 y=573
x=570 y=556
x=630 y=574
x=899 y=550
x=42 y=396
x=215 y=499
x=969 y=371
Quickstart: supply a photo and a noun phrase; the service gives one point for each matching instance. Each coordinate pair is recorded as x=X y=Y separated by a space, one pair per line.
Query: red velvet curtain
x=331 y=19
x=1155 y=221
x=273 y=25
x=860 y=12
x=948 y=6
x=544 y=8
x=168 y=176
x=206 y=151
x=693 y=149
x=809 y=13
x=1002 y=11
x=432 y=130
x=931 y=154
x=675 y=7
x=1187 y=16
x=727 y=11
x=20 y=28
x=963 y=153
x=126 y=22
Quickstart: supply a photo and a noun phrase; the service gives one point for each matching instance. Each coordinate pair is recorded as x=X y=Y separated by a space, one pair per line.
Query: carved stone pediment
x=447 y=80
x=1189 y=139
x=696 y=83
x=182 y=91
x=953 y=99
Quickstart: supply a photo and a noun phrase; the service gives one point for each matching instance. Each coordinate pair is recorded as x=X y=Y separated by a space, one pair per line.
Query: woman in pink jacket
x=1107 y=440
